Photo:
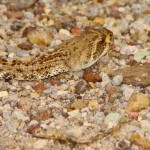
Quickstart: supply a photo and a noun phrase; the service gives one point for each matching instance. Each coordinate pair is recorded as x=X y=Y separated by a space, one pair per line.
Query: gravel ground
x=106 y=106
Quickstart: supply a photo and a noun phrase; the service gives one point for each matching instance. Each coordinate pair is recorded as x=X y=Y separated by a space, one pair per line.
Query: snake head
x=103 y=43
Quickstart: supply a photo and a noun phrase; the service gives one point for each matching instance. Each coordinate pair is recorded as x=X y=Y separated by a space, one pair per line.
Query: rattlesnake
x=74 y=54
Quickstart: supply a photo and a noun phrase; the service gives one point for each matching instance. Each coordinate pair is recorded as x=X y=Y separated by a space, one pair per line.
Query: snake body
x=74 y=54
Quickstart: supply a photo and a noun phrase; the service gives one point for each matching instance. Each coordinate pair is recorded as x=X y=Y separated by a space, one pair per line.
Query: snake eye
x=112 y=36
x=110 y=33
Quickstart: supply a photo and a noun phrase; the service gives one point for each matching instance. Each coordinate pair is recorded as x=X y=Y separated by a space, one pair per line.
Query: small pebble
x=127 y=92
x=64 y=34
x=28 y=15
x=93 y=105
x=3 y=94
x=75 y=132
x=40 y=144
x=80 y=104
x=112 y=117
x=23 y=53
x=3 y=54
x=39 y=36
x=20 y=116
x=138 y=102
x=35 y=52
x=145 y=125
x=11 y=55
x=76 y=31
x=91 y=77
x=140 y=55
x=117 y=80
x=104 y=76
x=34 y=95
x=93 y=11
x=74 y=113
x=55 y=43
x=33 y=122
x=99 y=21
x=25 y=46
x=39 y=88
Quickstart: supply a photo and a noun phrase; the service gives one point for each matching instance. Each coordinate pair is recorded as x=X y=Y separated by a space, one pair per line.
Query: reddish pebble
x=42 y=115
x=91 y=77
x=39 y=88
x=54 y=82
x=75 y=31
x=133 y=115
x=32 y=129
x=131 y=43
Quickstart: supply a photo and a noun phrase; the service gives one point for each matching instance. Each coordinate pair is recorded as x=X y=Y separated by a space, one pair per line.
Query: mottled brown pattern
x=72 y=55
